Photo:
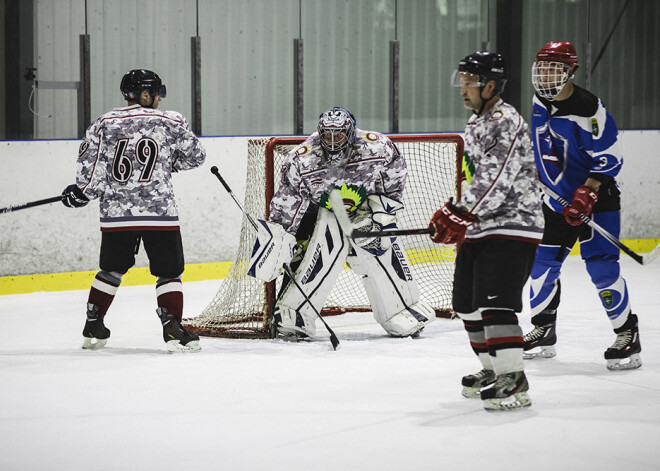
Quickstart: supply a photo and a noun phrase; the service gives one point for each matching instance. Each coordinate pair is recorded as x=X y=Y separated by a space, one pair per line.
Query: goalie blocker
x=386 y=275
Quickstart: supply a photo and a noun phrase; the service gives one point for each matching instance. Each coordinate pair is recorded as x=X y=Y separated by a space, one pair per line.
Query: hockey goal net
x=243 y=305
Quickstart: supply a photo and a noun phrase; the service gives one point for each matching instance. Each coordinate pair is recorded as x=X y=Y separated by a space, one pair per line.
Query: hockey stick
x=395 y=232
x=287 y=269
x=641 y=259
x=347 y=226
x=31 y=204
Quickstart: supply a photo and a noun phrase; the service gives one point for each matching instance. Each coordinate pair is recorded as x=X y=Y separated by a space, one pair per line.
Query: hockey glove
x=450 y=224
x=272 y=250
x=376 y=214
x=583 y=202
x=73 y=197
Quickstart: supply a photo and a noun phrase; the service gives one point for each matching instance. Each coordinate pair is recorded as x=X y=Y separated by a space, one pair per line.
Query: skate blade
x=615 y=364
x=174 y=346
x=471 y=392
x=544 y=352
x=517 y=401
x=416 y=335
x=292 y=334
x=93 y=343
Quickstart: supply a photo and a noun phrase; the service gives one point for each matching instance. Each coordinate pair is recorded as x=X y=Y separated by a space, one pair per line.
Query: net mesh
x=242 y=305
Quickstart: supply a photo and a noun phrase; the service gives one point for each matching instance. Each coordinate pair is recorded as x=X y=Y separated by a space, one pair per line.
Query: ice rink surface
x=377 y=403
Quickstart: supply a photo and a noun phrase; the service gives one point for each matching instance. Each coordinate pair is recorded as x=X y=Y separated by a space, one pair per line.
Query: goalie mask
x=137 y=80
x=337 y=129
x=555 y=65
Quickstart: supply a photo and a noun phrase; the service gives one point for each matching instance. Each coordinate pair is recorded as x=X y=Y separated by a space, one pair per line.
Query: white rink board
x=53 y=238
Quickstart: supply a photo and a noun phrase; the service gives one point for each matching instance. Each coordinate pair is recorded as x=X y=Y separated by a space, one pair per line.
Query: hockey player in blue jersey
x=578 y=155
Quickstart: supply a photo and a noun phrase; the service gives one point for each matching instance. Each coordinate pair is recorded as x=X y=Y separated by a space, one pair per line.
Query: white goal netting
x=243 y=305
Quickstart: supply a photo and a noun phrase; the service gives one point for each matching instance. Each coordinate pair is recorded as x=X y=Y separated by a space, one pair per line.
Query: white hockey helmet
x=555 y=65
x=337 y=129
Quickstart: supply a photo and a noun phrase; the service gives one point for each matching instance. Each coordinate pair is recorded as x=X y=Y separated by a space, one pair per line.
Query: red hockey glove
x=583 y=202
x=450 y=224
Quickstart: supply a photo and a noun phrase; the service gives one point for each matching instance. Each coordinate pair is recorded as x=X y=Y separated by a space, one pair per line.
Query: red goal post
x=243 y=306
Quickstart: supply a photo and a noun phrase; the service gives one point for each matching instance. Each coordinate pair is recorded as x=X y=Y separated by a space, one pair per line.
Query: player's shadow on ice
x=127 y=351
x=453 y=413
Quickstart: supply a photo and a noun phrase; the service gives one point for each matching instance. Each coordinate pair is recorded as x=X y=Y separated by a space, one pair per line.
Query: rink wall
x=53 y=247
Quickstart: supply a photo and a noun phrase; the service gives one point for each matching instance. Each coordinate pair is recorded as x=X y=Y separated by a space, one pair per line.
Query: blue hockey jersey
x=573 y=140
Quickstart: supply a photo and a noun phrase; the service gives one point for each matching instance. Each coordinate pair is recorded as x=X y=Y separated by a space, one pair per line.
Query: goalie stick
x=347 y=226
x=31 y=204
x=641 y=259
x=287 y=269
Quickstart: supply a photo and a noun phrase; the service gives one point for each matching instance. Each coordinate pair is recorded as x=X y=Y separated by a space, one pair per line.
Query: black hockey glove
x=73 y=197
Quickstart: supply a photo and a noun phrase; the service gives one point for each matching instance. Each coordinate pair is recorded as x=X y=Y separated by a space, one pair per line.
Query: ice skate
x=289 y=332
x=540 y=342
x=473 y=384
x=626 y=346
x=508 y=392
x=95 y=333
x=176 y=337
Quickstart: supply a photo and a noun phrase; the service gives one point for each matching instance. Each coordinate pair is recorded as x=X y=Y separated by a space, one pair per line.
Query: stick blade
x=652 y=255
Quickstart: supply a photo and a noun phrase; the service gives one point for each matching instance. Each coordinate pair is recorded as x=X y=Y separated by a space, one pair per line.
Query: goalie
x=302 y=231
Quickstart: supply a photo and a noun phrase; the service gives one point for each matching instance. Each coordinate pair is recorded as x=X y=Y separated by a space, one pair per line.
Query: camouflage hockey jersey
x=126 y=159
x=503 y=188
x=373 y=167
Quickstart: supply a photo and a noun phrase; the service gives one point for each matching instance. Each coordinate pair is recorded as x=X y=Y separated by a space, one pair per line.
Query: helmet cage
x=337 y=129
x=550 y=77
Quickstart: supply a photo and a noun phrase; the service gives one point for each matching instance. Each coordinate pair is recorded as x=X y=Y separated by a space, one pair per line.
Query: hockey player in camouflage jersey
x=125 y=161
x=371 y=174
x=497 y=224
x=374 y=167
x=578 y=154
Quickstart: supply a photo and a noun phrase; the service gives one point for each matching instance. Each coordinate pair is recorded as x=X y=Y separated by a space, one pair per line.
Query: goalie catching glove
x=376 y=214
x=450 y=224
x=272 y=250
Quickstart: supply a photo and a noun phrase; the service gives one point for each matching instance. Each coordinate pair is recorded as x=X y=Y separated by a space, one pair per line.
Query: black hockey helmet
x=487 y=66
x=136 y=80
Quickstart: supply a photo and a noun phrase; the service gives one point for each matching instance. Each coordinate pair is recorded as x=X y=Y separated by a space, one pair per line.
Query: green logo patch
x=606 y=297
x=594 y=126
x=352 y=195
x=468 y=168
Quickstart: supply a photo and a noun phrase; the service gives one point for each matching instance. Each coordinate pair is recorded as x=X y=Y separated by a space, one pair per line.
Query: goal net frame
x=224 y=316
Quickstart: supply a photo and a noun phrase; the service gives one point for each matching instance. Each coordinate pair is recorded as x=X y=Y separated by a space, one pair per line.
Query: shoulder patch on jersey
x=594 y=126
x=352 y=195
x=371 y=136
x=302 y=150
x=497 y=114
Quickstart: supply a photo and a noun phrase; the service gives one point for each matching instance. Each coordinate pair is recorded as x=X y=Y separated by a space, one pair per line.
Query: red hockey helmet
x=559 y=51
x=555 y=65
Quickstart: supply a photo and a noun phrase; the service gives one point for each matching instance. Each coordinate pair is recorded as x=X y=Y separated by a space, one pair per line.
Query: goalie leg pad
x=320 y=266
x=392 y=291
